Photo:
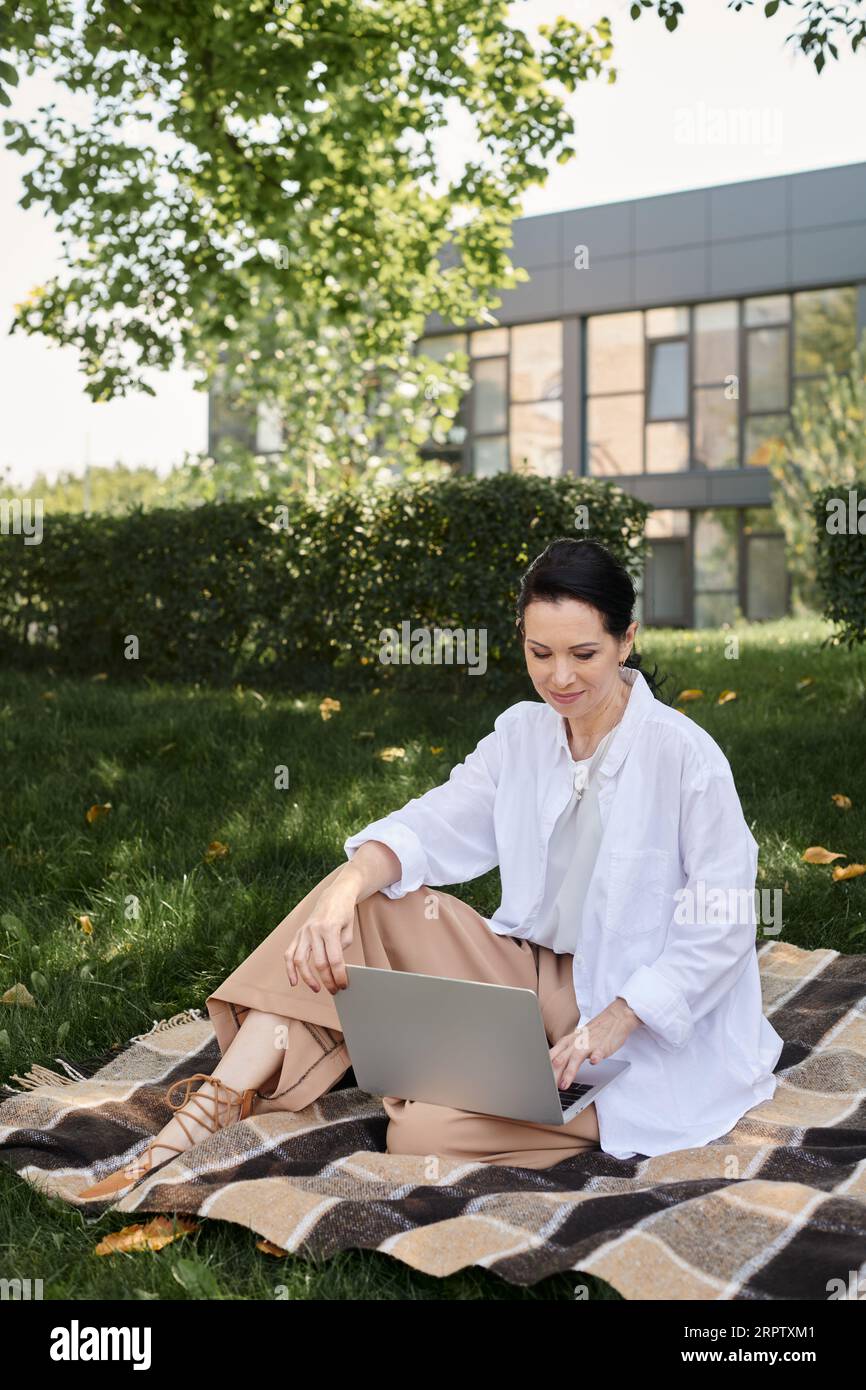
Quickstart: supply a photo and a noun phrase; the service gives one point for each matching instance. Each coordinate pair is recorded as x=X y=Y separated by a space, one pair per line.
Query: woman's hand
x=597 y=1039
x=317 y=946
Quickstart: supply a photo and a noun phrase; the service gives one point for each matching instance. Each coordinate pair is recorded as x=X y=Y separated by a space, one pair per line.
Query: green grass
x=184 y=766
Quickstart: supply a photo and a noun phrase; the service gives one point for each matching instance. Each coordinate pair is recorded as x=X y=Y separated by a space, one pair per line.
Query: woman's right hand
x=316 y=949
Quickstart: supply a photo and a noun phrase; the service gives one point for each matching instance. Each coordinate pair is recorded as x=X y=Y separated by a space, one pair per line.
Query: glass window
x=490 y=387
x=536 y=438
x=767 y=368
x=825 y=329
x=490 y=456
x=667 y=323
x=759 y=519
x=767 y=578
x=667 y=523
x=716 y=549
x=716 y=429
x=715 y=342
x=269 y=429
x=489 y=342
x=536 y=362
x=668 y=392
x=439 y=346
x=615 y=352
x=768 y=308
x=614 y=435
x=712 y=610
x=764 y=439
x=667 y=447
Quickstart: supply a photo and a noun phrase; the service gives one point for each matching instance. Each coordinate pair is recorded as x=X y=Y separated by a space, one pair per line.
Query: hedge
x=267 y=591
x=840 y=532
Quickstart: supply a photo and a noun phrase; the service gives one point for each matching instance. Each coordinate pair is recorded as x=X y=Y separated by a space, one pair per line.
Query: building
x=659 y=341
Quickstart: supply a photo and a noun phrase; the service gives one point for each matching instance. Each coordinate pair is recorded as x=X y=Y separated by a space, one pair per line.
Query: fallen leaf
x=215 y=850
x=165 y=747
x=96 y=811
x=18 y=994
x=49 y=695
x=389 y=754
x=807 y=680
x=328 y=706
x=690 y=695
x=817 y=854
x=725 y=696
x=162 y=1230
x=267 y=1247
x=849 y=871
x=435 y=751
x=85 y=924
x=100 y=676
x=842 y=801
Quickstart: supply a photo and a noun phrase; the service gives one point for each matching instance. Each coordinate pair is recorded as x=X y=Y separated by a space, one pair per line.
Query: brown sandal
x=136 y=1169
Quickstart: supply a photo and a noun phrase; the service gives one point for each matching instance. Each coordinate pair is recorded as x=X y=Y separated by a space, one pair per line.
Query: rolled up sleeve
x=712 y=931
x=448 y=834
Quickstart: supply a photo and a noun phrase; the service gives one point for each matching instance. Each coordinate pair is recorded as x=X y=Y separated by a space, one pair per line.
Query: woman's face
x=572 y=662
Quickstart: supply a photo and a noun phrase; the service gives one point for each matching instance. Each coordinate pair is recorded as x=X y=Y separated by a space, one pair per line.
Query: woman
x=615 y=822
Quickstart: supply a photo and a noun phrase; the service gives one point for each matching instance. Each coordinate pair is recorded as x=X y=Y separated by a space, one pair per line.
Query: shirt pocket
x=635 y=891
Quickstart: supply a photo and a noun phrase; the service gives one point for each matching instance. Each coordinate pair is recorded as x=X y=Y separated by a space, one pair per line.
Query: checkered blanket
x=773 y=1210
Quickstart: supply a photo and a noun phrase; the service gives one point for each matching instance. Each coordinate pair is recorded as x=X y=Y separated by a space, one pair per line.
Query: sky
x=721 y=100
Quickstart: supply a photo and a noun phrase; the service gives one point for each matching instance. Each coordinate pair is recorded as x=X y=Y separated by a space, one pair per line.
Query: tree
x=257 y=189
x=825 y=445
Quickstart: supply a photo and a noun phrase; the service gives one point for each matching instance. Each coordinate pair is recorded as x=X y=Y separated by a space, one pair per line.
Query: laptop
x=464 y=1043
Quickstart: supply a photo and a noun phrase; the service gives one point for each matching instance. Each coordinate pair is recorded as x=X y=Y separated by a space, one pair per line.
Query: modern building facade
x=659 y=341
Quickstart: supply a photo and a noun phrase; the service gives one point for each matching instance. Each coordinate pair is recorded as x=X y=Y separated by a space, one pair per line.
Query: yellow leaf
x=690 y=695
x=100 y=676
x=162 y=1230
x=85 y=924
x=725 y=696
x=328 y=706
x=849 y=871
x=842 y=801
x=267 y=1247
x=817 y=854
x=49 y=695
x=96 y=811
x=389 y=754
x=807 y=680
x=215 y=850
x=19 y=994
x=435 y=751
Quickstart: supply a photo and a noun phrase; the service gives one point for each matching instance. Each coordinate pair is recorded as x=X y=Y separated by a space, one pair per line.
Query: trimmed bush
x=295 y=592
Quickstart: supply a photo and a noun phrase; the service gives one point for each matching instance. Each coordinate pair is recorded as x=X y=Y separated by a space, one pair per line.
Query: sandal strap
x=210 y=1121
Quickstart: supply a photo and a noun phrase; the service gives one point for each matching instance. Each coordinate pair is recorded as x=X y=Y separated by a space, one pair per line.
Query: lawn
x=183 y=767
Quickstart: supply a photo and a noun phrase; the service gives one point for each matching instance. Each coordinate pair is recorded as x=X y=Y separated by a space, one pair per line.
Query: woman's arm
x=702 y=959
x=374 y=866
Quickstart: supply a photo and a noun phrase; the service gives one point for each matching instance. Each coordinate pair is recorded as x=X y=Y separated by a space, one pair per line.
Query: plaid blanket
x=773 y=1210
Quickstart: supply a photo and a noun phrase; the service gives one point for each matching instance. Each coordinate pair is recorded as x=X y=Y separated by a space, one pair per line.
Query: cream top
x=571 y=856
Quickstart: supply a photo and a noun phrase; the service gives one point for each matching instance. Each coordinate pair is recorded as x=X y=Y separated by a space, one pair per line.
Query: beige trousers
x=401 y=934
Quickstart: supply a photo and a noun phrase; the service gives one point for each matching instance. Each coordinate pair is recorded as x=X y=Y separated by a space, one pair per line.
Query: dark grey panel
x=728 y=487
x=540 y=297
x=607 y=230
x=675 y=219
x=537 y=241
x=748 y=209
x=605 y=284
x=753 y=264
x=820 y=197
x=829 y=254
x=671 y=276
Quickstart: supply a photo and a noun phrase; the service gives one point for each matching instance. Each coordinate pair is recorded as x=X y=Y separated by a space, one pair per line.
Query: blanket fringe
x=43 y=1076
x=187 y=1016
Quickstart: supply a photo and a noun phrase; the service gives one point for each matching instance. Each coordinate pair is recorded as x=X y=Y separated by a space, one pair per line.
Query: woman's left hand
x=599 y=1038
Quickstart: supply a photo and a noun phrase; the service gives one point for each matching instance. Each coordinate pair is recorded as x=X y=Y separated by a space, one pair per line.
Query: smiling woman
x=602 y=807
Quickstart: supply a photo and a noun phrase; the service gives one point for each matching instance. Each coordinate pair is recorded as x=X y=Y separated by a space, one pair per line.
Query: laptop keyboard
x=573 y=1093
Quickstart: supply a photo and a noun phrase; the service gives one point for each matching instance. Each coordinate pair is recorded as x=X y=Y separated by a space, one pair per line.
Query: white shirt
x=704 y=1052
x=571 y=855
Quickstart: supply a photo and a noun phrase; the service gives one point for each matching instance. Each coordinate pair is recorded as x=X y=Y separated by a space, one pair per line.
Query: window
x=715 y=567
x=711 y=385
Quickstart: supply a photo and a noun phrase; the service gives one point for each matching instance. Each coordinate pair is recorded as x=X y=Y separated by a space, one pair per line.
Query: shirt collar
x=639 y=704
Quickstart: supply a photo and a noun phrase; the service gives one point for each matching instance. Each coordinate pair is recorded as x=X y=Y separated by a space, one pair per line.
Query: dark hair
x=585 y=570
